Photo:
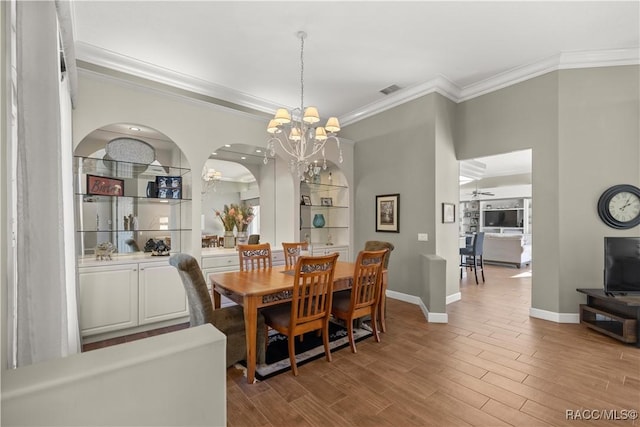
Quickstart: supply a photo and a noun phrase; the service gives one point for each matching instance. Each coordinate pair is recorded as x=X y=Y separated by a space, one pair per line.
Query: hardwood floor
x=491 y=365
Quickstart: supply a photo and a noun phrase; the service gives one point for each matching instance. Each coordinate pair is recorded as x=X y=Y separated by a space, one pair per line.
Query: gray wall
x=583 y=128
x=408 y=150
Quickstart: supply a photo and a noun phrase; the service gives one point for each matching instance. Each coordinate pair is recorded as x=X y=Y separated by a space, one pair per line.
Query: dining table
x=255 y=289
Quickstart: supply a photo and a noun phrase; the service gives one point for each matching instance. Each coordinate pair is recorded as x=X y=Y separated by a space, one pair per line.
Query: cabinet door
x=162 y=295
x=108 y=298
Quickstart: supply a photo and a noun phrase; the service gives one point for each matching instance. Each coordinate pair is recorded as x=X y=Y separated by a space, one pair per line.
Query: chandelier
x=298 y=133
x=210 y=178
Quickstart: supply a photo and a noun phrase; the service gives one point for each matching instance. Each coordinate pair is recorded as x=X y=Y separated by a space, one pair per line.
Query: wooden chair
x=310 y=306
x=377 y=245
x=363 y=297
x=229 y=320
x=292 y=253
x=254 y=257
x=471 y=257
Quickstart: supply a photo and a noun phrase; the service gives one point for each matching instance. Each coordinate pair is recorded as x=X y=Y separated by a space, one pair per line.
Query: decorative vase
x=242 y=237
x=229 y=239
x=318 y=221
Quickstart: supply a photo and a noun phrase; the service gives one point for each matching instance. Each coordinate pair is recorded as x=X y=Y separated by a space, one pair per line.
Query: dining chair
x=229 y=320
x=471 y=256
x=310 y=305
x=377 y=245
x=255 y=257
x=292 y=252
x=363 y=297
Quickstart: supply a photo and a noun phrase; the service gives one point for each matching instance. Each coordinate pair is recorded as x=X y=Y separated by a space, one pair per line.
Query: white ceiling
x=248 y=53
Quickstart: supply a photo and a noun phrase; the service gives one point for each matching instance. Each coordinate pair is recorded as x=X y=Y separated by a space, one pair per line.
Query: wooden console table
x=615 y=316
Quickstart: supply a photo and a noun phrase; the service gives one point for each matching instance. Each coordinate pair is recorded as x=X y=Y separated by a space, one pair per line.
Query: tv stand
x=615 y=316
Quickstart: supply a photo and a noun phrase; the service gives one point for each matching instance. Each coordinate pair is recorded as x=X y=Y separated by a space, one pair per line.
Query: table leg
x=216 y=298
x=251 y=326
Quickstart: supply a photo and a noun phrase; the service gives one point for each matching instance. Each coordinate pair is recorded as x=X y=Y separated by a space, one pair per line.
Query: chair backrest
x=200 y=305
x=292 y=252
x=254 y=257
x=478 y=243
x=377 y=245
x=367 y=279
x=254 y=239
x=312 y=292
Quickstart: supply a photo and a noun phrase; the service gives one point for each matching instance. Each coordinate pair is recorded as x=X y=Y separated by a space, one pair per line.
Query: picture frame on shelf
x=169 y=187
x=104 y=186
x=388 y=213
x=326 y=201
x=448 y=212
x=305 y=200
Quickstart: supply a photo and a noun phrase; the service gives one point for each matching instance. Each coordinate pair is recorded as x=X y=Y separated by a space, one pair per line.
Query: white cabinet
x=124 y=298
x=108 y=298
x=343 y=251
x=162 y=295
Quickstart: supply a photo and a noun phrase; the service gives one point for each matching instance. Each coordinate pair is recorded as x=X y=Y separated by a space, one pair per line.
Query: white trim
x=125 y=64
x=165 y=92
x=553 y=316
x=441 y=84
x=453 y=298
x=412 y=299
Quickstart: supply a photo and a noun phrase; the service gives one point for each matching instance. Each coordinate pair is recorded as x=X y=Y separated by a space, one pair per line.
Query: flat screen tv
x=501 y=218
x=622 y=265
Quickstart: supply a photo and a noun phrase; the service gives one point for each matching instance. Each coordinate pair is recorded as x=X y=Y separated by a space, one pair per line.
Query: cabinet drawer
x=277 y=258
x=220 y=261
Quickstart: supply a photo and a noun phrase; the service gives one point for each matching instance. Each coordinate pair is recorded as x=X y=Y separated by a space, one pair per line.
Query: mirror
x=237 y=174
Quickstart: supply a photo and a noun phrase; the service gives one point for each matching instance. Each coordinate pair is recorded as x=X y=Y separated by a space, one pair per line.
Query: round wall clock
x=619 y=206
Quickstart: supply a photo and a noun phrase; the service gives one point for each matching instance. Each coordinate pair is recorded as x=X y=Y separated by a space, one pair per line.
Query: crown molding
x=440 y=84
x=125 y=64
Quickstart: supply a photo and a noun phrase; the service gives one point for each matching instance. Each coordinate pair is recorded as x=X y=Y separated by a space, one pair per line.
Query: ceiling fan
x=477 y=193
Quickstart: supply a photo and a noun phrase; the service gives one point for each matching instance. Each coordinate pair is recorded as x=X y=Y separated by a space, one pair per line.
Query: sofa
x=507 y=249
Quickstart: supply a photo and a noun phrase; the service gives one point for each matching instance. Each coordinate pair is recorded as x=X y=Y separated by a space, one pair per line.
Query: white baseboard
x=412 y=299
x=553 y=316
x=453 y=298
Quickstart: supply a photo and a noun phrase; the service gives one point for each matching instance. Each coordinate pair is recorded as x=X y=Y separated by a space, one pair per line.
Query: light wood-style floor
x=491 y=365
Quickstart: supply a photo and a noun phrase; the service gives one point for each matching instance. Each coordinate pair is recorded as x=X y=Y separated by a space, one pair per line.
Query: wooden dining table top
x=270 y=280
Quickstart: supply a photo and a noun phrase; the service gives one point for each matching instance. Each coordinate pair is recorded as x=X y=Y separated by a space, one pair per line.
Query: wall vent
x=390 y=89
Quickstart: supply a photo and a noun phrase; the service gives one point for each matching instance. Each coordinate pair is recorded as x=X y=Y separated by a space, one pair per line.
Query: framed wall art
x=104 y=186
x=388 y=213
x=305 y=200
x=448 y=212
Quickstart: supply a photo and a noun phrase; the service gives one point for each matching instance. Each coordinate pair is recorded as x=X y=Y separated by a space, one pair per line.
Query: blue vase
x=318 y=221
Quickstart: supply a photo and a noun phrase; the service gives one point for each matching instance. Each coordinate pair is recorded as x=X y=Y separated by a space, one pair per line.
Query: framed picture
x=388 y=213
x=169 y=187
x=103 y=186
x=305 y=200
x=326 y=201
x=448 y=212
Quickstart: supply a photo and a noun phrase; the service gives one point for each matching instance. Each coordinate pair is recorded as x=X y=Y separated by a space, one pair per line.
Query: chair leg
x=374 y=324
x=482 y=267
x=325 y=340
x=292 y=355
x=382 y=308
x=475 y=268
x=352 y=341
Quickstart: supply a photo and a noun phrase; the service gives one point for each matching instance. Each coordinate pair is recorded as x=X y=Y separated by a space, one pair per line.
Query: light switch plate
x=423 y=237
